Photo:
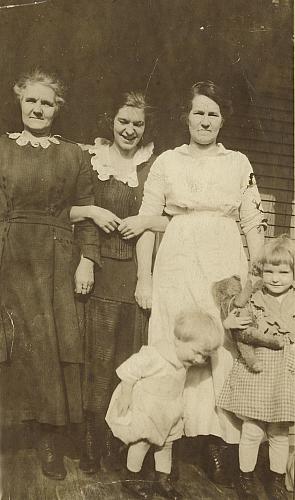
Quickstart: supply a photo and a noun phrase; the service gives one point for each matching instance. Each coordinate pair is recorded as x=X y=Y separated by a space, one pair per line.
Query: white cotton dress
x=201 y=245
x=156 y=410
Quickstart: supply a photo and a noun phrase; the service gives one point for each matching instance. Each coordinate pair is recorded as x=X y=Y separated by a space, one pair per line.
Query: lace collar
x=101 y=162
x=23 y=138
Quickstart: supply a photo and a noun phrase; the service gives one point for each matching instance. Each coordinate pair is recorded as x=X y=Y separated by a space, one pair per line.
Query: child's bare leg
x=136 y=454
x=163 y=458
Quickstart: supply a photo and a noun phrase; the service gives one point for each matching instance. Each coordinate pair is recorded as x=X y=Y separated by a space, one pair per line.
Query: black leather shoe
x=163 y=486
x=111 y=459
x=51 y=458
x=89 y=460
x=217 y=469
x=245 y=486
x=275 y=487
x=137 y=486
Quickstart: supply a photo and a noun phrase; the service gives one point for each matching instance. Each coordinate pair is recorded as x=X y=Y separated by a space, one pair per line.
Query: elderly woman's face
x=38 y=108
x=129 y=124
x=204 y=120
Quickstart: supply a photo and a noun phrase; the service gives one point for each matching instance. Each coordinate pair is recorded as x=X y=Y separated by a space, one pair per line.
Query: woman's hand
x=133 y=226
x=233 y=321
x=84 y=276
x=125 y=398
x=143 y=292
x=105 y=219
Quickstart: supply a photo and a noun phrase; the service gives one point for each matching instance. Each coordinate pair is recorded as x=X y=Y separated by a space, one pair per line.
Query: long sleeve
x=153 y=202
x=144 y=363
x=86 y=234
x=251 y=211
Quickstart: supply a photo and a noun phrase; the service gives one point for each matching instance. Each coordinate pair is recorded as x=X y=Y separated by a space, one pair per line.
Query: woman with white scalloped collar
x=115 y=326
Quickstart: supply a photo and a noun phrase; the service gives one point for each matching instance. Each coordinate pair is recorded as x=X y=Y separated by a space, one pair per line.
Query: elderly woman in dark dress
x=41 y=178
x=115 y=325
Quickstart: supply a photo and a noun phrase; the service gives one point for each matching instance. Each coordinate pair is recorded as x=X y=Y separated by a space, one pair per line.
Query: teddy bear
x=228 y=295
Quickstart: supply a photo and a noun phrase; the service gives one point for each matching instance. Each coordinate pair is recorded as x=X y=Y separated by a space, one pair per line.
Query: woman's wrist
x=90 y=212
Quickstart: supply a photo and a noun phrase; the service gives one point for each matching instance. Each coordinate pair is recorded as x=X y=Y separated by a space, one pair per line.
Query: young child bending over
x=265 y=401
x=147 y=407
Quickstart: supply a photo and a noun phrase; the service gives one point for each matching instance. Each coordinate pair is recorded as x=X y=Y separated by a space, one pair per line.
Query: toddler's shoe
x=163 y=486
x=134 y=484
x=275 y=487
x=246 y=486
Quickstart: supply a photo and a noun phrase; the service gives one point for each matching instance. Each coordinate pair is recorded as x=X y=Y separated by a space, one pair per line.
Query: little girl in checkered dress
x=265 y=401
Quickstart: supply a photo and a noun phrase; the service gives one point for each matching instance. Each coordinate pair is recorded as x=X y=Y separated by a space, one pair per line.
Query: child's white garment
x=156 y=409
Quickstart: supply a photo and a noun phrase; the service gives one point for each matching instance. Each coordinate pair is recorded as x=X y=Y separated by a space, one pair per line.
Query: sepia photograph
x=147 y=250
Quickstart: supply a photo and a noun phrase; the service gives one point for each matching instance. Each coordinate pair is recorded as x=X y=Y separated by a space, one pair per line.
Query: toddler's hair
x=198 y=325
x=278 y=251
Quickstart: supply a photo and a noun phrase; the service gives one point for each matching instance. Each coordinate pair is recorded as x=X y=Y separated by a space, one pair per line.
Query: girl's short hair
x=198 y=325
x=278 y=251
x=134 y=99
x=38 y=76
x=211 y=90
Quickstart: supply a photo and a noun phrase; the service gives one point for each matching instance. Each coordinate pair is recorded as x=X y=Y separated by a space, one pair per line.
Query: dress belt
x=34 y=217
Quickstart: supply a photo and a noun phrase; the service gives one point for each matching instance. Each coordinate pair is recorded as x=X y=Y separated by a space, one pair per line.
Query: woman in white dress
x=205 y=188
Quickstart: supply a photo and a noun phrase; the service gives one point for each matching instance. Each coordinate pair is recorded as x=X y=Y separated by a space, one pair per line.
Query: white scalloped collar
x=101 y=162
x=23 y=138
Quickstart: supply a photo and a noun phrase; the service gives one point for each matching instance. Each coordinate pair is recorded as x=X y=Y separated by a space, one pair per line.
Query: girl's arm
x=235 y=322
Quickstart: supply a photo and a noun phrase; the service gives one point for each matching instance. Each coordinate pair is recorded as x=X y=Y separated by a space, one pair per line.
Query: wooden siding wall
x=264 y=132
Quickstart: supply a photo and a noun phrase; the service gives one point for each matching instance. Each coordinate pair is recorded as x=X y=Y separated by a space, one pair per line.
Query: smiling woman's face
x=129 y=124
x=38 y=106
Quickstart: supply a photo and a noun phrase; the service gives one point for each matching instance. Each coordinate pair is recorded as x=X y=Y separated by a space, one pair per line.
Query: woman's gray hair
x=38 y=76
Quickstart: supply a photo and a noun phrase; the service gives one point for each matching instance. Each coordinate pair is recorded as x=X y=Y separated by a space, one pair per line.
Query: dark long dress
x=115 y=326
x=41 y=344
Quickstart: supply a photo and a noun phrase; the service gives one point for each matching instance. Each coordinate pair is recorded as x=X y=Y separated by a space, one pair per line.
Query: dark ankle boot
x=134 y=484
x=164 y=487
x=246 y=486
x=50 y=453
x=89 y=460
x=111 y=458
x=217 y=462
x=275 y=486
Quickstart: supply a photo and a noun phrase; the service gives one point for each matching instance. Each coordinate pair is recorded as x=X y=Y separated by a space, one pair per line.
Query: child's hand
x=124 y=401
x=233 y=321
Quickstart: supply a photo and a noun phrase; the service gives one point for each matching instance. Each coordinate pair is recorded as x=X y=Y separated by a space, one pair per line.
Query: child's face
x=191 y=353
x=277 y=278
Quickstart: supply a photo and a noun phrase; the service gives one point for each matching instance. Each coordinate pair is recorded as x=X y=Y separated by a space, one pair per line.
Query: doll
x=229 y=296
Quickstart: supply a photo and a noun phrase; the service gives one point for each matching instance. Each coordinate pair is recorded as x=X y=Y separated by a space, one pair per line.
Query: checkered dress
x=268 y=396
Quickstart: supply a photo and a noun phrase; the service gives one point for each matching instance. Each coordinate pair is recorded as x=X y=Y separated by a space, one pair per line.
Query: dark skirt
x=36 y=385
x=113 y=332
x=42 y=352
